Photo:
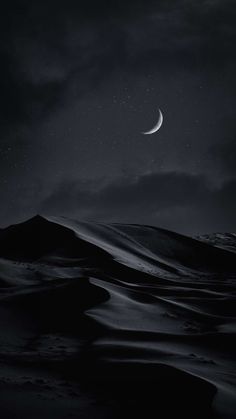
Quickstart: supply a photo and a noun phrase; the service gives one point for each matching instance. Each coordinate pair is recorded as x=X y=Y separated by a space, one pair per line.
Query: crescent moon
x=157 y=126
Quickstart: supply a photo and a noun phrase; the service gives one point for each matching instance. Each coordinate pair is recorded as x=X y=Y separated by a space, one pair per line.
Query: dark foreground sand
x=109 y=320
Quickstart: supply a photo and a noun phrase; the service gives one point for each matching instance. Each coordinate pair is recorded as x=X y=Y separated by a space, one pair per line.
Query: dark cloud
x=47 y=46
x=224 y=155
x=159 y=198
x=174 y=200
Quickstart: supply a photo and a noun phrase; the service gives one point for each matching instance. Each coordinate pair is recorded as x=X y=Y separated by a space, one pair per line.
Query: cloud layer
x=164 y=199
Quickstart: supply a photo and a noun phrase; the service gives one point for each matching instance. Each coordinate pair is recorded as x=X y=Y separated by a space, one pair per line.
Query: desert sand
x=108 y=320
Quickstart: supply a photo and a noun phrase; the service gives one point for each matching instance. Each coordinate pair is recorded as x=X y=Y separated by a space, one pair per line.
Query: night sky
x=81 y=80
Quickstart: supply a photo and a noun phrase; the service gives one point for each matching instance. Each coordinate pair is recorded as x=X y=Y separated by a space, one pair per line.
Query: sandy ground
x=103 y=320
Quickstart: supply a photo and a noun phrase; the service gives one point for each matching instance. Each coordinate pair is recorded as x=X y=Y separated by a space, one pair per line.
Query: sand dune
x=103 y=320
